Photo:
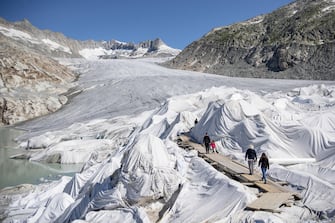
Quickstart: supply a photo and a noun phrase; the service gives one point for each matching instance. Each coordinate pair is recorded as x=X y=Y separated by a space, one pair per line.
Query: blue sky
x=176 y=22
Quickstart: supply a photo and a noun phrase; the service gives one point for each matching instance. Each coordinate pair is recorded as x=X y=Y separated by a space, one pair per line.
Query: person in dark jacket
x=251 y=156
x=206 y=141
x=264 y=164
x=195 y=121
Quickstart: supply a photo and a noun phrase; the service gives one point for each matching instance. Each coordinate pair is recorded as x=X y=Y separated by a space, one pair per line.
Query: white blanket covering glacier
x=133 y=171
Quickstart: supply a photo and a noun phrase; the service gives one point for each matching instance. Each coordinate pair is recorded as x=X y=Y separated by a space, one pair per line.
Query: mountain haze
x=295 y=41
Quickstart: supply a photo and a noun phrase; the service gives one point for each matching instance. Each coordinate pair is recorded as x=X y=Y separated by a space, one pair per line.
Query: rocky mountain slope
x=31 y=84
x=296 y=41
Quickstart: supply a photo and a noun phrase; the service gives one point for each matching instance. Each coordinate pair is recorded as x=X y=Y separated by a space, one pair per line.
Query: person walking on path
x=213 y=146
x=264 y=164
x=252 y=158
x=206 y=141
x=195 y=121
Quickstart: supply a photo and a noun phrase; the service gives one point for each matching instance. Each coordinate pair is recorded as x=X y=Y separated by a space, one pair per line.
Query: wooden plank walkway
x=270 y=201
x=273 y=195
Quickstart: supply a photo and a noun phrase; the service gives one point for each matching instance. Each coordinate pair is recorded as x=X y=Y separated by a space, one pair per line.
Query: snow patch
x=92 y=54
x=17 y=34
x=56 y=46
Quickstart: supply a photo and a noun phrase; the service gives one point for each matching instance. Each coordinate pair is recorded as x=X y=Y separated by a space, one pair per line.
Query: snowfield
x=123 y=127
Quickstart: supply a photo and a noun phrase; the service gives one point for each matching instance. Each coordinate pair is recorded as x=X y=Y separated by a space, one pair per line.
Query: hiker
x=252 y=157
x=195 y=121
x=206 y=141
x=213 y=146
x=28 y=145
x=264 y=164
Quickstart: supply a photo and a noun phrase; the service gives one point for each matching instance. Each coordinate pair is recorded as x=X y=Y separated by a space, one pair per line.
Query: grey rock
x=31 y=84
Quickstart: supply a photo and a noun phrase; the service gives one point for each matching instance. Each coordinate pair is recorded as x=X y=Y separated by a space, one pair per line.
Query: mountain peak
x=24 y=24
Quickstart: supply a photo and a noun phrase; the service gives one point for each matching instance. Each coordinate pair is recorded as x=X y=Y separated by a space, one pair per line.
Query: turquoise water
x=14 y=172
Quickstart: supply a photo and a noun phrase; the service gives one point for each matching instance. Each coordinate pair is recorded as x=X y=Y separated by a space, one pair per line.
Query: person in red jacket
x=213 y=146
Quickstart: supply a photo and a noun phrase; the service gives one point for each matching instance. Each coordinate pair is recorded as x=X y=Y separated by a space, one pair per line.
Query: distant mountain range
x=57 y=45
x=296 y=41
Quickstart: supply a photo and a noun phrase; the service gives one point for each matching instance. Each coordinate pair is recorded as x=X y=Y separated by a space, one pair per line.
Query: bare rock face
x=296 y=41
x=31 y=85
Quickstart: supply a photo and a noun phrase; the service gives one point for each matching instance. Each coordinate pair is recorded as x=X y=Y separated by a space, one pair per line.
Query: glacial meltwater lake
x=14 y=171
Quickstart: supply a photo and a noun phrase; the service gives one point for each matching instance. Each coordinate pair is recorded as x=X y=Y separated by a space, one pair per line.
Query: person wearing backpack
x=264 y=164
x=251 y=156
